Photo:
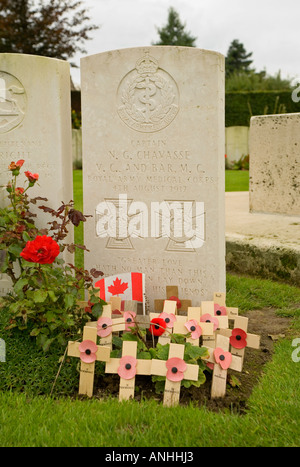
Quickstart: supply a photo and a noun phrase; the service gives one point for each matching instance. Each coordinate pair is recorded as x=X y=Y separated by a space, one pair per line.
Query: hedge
x=241 y=105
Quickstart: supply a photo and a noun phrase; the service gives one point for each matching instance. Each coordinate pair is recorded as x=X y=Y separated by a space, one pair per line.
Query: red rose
x=31 y=177
x=42 y=250
x=157 y=326
x=19 y=190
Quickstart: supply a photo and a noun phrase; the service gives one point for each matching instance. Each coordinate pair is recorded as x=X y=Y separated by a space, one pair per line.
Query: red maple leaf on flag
x=118 y=287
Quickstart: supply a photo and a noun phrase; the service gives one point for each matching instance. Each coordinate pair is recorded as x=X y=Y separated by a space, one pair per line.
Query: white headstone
x=274 y=183
x=35 y=125
x=153 y=167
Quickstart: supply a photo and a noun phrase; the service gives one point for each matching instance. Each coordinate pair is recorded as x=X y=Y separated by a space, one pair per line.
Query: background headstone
x=274 y=183
x=153 y=132
x=35 y=125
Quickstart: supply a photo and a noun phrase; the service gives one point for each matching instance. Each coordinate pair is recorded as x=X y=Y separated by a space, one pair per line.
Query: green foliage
x=237 y=59
x=253 y=81
x=45 y=291
x=192 y=354
x=241 y=106
x=76 y=119
x=174 y=32
x=53 y=28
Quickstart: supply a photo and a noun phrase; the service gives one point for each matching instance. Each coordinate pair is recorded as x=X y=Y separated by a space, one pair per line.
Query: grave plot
x=208 y=343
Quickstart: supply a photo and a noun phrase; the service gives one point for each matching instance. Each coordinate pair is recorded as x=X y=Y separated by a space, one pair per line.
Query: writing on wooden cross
x=172 y=294
x=222 y=359
x=168 y=315
x=220 y=307
x=208 y=316
x=239 y=338
x=88 y=351
x=175 y=369
x=127 y=367
x=192 y=324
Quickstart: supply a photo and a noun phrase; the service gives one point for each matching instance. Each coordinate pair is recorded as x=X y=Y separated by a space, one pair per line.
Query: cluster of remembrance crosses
x=212 y=325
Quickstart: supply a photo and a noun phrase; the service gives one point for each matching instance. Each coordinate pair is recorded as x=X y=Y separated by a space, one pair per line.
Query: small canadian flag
x=128 y=286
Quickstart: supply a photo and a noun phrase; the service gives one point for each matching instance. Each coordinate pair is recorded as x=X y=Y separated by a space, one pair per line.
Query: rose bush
x=45 y=294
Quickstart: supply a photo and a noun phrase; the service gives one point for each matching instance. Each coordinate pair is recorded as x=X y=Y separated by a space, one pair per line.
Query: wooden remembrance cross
x=106 y=325
x=169 y=308
x=220 y=299
x=172 y=291
x=222 y=360
x=239 y=338
x=191 y=323
x=175 y=369
x=127 y=367
x=88 y=351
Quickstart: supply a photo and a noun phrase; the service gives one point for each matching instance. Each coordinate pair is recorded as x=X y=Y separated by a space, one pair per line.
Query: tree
x=174 y=32
x=52 y=28
x=237 y=59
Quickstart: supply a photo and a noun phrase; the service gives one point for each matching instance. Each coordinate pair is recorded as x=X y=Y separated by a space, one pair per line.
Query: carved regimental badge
x=148 y=97
x=13 y=102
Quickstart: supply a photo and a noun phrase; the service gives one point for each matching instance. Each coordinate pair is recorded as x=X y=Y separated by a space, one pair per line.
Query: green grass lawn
x=236 y=180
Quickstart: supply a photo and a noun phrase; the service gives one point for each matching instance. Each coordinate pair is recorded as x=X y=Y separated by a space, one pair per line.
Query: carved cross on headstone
x=127 y=368
x=239 y=338
x=175 y=369
x=169 y=316
x=172 y=294
x=222 y=359
x=88 y=351
x=192 y=324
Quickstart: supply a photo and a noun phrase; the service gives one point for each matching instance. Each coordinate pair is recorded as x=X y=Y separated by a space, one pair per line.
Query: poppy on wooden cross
x=127 y=367
x=169 y=316
x=220 y=307
x=88 y=351
x=106 y=325
x=239 y=338
x=175 y=369
x=208 y=316
x=172 y=294
x=222 y=360
x=192 y=324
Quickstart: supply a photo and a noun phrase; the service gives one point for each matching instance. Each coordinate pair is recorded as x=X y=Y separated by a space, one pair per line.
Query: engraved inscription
x=13 y=102
x=148 y=97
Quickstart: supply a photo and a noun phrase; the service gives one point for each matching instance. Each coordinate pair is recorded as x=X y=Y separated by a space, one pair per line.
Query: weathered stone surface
x=35 y=125
x=274 y=145
x=153 y=152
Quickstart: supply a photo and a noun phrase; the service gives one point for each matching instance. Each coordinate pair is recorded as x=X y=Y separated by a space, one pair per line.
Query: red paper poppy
x=87 y=351
x=220 y=310
x=169 y=319
x=104 y=326
x=42 y=250
x=157 y=326
x=176 y=368
x=207 y=318
x=129 y=320
x=176 y=299
x=127 y=368
x=238 y=338
x=194 y=328
x=223 y=358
